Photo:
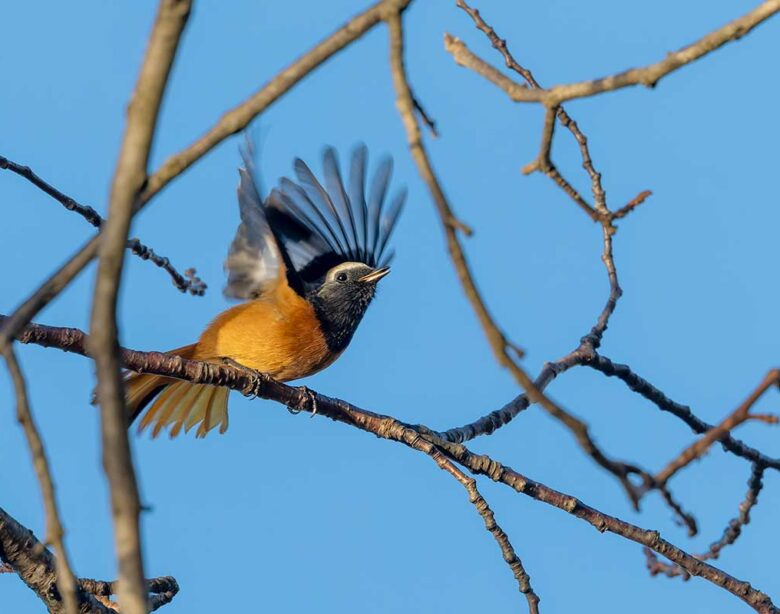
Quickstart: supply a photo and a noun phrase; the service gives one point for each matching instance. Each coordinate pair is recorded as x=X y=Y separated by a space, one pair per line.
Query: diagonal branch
x=737 y=417
x=644 y=388
x=482 y=507
x=188 y=282
x=730 y=534
x=66 y=582
x=23 y=554
x=253 y=384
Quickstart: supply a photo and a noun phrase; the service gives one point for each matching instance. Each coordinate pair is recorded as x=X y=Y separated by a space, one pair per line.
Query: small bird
x=306 y=260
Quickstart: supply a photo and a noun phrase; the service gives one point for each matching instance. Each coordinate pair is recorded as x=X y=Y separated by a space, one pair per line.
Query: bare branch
x=188 y=282
x=482 y=507
x=648 y=76
x=738 y=416
x=66 y=582
x=253 y=384
x=631 y=205
x=683 y=412
x=730 y=534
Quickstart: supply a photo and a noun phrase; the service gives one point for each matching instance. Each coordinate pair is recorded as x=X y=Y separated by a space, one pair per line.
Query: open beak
x=375 y=275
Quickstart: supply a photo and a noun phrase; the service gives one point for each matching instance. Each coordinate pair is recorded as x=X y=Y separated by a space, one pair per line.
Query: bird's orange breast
x=278 y=334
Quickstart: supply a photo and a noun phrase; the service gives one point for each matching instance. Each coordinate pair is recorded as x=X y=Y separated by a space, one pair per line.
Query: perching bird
x=307 y=260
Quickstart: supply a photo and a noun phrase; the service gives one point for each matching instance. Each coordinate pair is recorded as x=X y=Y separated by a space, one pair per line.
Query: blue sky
x=289 y=514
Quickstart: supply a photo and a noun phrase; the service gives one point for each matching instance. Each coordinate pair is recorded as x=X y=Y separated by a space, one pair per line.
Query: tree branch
x=644 y=388
x=730 y=534
x=648 y=76
x=188 y=282
x=66 y=582
x=24 y=555
x=483 y=509
x=253 y=384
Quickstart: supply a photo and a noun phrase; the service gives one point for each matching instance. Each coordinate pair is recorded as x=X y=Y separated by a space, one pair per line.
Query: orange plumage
x=308 y=259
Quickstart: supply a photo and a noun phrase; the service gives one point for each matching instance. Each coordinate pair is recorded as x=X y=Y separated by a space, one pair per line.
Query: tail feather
x=178 y=404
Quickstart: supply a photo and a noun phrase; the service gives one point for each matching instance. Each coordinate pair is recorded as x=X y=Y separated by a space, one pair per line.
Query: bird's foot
x=312 y=401
x=237 y=365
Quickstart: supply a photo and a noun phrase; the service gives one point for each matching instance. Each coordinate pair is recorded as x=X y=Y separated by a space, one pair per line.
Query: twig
x=644 y=388
x=733 y=420
x=631 y=205
x=66 y=581
x=544 y=164
x=253 y=384
x=482 y=507
x=129 y=179
x=426 y=119
x=648 y=76
x=730 y=534
x=188 y=282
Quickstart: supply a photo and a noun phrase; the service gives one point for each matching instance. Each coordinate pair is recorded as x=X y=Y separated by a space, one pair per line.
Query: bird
x=305 y=262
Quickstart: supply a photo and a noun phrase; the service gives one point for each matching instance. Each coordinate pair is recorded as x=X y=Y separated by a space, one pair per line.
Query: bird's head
x=342 y=299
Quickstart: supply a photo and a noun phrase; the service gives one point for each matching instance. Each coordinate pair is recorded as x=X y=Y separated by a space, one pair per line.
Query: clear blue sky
x=291 y=514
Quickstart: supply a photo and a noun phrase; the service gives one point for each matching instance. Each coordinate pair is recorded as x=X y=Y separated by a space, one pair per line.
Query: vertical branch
x=129 y=180
x=406 y=107
x=66 y=581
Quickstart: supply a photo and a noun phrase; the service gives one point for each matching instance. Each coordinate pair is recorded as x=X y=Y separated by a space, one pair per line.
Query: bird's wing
x=321 y=227
x=256 y=260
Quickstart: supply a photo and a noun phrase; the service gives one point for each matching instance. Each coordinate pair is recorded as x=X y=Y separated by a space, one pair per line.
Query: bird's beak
x=375 y=275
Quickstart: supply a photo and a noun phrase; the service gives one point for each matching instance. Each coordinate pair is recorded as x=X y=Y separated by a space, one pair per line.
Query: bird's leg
x=237 y=365
x=312 y=401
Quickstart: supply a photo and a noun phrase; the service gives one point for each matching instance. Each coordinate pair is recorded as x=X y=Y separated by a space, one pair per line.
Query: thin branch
x=644 y=388
x=550 y=170
x=648 y=76
x=482 y=507
x=188 y=282
x=66 y=581
x=253 y=384
x=406 y=108
x=740 y=415
x=730 y=534
x=543 y=163
x=631 y=205
x=129 y=179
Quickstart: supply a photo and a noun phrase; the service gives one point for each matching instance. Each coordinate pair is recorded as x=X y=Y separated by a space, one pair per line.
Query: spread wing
x=323 y=226
x=255 y=260
x=303 y=229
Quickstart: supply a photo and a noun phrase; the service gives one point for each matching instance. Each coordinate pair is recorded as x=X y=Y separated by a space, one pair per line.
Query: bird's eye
x=341 y=277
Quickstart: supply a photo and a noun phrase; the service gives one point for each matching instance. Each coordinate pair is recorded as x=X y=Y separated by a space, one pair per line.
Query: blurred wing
x=255 y=260
x=321 y=227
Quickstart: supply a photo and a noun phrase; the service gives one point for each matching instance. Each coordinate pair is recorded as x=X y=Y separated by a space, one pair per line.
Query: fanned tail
x=174 y=403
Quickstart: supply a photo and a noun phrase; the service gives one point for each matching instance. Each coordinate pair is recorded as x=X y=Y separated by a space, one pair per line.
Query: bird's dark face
x=342 y=299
